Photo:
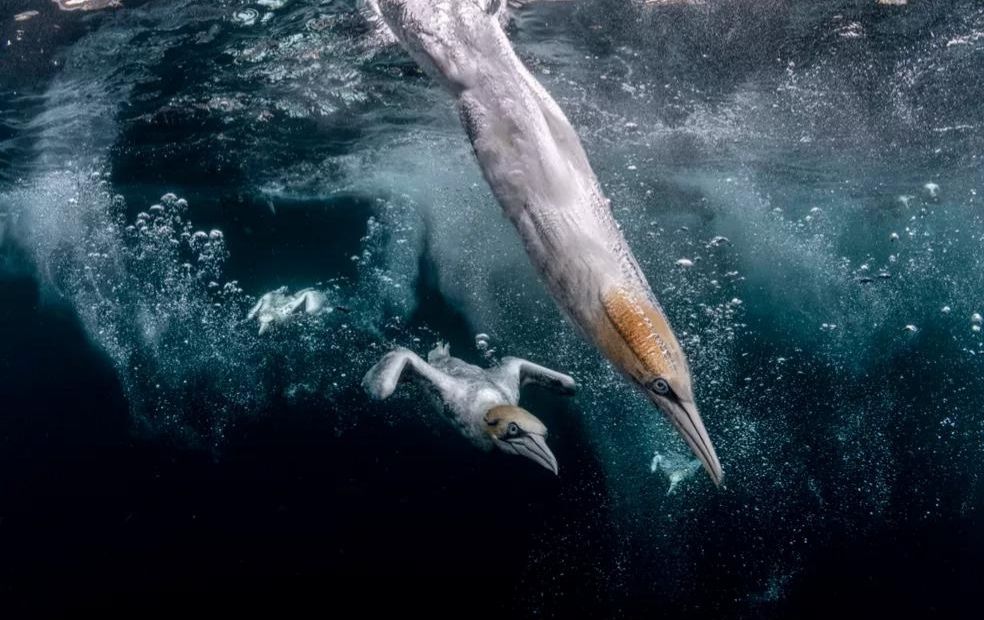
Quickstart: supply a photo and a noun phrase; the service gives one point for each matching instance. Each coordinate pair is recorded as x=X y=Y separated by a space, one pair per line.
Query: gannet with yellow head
x=483 y=404
x=534 y=163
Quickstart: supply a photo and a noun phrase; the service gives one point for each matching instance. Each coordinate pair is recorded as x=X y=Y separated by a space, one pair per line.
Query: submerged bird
x=534 y=163
x=483 y=404
x=279 y=306
x=675 y=467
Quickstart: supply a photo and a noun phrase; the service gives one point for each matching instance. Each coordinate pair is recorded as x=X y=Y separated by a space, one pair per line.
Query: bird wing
x=299 y=302
x=381 y=380
x=522 y=372
x=256 y=309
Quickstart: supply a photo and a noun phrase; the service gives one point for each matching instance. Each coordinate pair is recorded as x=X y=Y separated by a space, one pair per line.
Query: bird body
x=279 y=306
x=483 y=404
x=535 y=165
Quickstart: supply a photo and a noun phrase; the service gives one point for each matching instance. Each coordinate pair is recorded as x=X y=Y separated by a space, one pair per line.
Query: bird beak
x=686 y=419
x=534 y=447
x=638 y=339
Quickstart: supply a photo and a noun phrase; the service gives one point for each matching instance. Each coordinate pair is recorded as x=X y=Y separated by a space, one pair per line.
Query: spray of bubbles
x=152 y=293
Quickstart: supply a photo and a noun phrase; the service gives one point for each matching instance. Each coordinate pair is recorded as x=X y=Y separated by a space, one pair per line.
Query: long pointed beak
x=686 y=419
x=534 y=447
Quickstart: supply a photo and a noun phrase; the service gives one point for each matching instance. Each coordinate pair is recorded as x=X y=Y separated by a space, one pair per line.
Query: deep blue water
x=155 y=453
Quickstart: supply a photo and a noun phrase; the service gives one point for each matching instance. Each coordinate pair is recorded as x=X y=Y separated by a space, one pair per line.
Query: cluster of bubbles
x=152 y=293
x=307 y=65
x=246 y=17
x=249 y=16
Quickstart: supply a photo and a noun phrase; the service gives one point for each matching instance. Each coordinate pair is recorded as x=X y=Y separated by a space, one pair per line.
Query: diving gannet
x=482 y=403
x=279 y=306
x=534 y=163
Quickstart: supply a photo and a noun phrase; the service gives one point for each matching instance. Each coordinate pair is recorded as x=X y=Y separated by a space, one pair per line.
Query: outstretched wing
x=256 y=308
x=308 y=301
x=381 y=380
x=296 y=304
x=523 y=372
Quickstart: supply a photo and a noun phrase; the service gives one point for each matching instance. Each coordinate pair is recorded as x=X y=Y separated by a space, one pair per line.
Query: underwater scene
x=539 y=308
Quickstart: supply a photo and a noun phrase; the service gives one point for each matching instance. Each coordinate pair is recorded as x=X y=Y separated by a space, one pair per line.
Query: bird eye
x=513 y=428
x=660 y=386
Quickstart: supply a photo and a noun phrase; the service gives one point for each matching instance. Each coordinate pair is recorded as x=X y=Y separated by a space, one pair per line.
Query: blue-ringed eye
x=660 y=386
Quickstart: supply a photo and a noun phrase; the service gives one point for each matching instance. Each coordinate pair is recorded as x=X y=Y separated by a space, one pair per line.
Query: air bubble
x=246 y=17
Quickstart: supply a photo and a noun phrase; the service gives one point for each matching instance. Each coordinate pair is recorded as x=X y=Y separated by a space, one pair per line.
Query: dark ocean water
x=156 y=454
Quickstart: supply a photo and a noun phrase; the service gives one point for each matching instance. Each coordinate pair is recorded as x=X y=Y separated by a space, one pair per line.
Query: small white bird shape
x=482 y=403
x=279 y=306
